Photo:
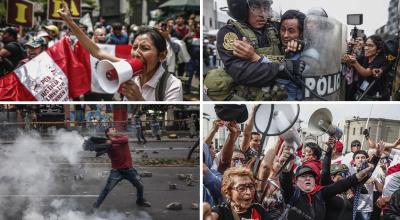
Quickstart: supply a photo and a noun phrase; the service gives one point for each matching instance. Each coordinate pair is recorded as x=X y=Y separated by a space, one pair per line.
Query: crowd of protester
x=181 y=34
x=250 y=181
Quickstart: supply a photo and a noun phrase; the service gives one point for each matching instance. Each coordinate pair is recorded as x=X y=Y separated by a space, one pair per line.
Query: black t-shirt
x=225 y=212
x=17 y=52
x=381 y=83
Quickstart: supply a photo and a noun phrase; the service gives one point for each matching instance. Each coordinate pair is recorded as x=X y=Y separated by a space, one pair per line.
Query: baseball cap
x=36 y=42
x=304 y=169
x=338 y=168
x=42 y=34
x=52 y=28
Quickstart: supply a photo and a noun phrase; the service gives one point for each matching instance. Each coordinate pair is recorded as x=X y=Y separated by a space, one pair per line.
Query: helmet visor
x=260 y=7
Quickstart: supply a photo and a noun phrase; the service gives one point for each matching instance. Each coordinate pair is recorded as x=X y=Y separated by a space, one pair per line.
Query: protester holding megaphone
x=143 y=77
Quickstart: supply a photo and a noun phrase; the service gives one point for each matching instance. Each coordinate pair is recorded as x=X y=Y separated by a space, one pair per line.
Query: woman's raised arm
x=88 y=44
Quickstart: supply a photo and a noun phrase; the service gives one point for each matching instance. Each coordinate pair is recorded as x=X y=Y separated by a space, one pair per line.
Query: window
x=211 y=23
x=354 y=131
x=361 y=130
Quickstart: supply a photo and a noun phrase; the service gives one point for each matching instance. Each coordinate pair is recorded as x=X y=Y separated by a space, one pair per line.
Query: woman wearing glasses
x=238 y=187
x=372 y=69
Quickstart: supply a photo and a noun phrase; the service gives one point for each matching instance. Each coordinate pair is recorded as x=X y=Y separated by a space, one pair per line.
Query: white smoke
x=28 y=171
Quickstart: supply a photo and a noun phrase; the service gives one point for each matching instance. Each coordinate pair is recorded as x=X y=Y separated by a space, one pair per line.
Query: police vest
x=234 y=92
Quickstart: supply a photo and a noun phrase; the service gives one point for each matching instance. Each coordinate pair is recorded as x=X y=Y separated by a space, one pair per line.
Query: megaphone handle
x=291 y=157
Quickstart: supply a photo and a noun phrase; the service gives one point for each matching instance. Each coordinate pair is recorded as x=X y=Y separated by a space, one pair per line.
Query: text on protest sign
x=44 y=79
x=54 y=5
x=20 y=12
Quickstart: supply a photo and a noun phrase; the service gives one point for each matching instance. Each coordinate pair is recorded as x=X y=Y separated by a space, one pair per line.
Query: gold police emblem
x=390 y=57
x=229 y=38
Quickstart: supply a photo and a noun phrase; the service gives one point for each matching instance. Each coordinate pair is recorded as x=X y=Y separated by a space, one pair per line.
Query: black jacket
x=311 y=206
x=393 y=213
x=244 y=72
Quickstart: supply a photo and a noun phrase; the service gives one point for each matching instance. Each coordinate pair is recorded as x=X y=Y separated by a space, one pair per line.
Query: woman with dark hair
x=154 y=83
x=372 y=68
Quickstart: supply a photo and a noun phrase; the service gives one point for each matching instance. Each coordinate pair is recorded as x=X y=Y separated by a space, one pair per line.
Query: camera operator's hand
x=364 y=173
x=350 y=59
x=244 y=50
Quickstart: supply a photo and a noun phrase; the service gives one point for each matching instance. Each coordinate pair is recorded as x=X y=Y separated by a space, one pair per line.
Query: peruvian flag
x=90 y=62
x=392 y=180
x=54 y=75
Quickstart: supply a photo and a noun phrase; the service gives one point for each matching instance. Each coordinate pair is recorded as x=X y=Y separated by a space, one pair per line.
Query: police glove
x=291 y=68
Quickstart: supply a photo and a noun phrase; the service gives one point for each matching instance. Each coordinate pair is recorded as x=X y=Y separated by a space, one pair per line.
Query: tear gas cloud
x=28 y=172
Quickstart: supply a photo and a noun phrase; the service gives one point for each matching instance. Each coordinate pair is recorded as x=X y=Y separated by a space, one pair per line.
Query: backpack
x=161 y=86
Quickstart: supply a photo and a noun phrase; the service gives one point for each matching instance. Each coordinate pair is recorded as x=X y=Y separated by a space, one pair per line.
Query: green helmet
x=338 y=168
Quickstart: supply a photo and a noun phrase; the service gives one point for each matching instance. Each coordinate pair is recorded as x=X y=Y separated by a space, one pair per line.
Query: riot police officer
x=249 y=49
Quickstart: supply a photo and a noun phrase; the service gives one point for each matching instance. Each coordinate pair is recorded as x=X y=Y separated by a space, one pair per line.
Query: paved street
x=78 y=185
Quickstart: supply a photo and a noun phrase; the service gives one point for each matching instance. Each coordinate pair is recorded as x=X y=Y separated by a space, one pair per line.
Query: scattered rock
x=174 y=206
x=190 y=183
x=181 y=176
x=146 y=174
x=194 y=206
x=172 y=186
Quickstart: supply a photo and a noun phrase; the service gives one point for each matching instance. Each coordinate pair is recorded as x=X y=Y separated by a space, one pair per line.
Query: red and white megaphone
x=112 y=74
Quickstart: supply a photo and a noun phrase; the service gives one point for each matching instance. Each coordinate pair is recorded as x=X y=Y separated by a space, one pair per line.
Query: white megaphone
x=321 y=122
x=112 y=74
x=279 y=119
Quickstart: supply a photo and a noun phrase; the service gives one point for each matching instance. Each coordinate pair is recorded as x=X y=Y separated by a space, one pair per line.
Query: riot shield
x=322 y=56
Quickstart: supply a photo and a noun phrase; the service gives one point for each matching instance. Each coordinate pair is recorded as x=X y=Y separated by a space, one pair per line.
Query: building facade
x=392 y=26
x=379 y=129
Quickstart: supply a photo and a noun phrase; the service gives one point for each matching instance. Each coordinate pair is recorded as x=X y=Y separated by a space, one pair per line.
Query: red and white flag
x=90 y=62
x=392 y=180
x=54 y=75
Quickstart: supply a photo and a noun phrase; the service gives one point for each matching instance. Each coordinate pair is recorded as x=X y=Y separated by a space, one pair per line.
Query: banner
x=54 y=75
x=19 y=12
x=54 y=5
x=90 y=62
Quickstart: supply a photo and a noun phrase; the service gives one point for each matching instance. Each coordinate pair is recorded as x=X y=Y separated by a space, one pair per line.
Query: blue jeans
x=363 y=215
x=115 y=177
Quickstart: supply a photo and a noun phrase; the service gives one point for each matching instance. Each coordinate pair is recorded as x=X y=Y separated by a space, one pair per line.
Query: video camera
x=354 y=19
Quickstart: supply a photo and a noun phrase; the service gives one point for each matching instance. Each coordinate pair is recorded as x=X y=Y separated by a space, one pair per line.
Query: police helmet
x=236 y=8
x=317 y=11
x=338 y=169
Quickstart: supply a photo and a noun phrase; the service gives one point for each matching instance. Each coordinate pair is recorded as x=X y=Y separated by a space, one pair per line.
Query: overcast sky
x=375 y=11
x=340 y=112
